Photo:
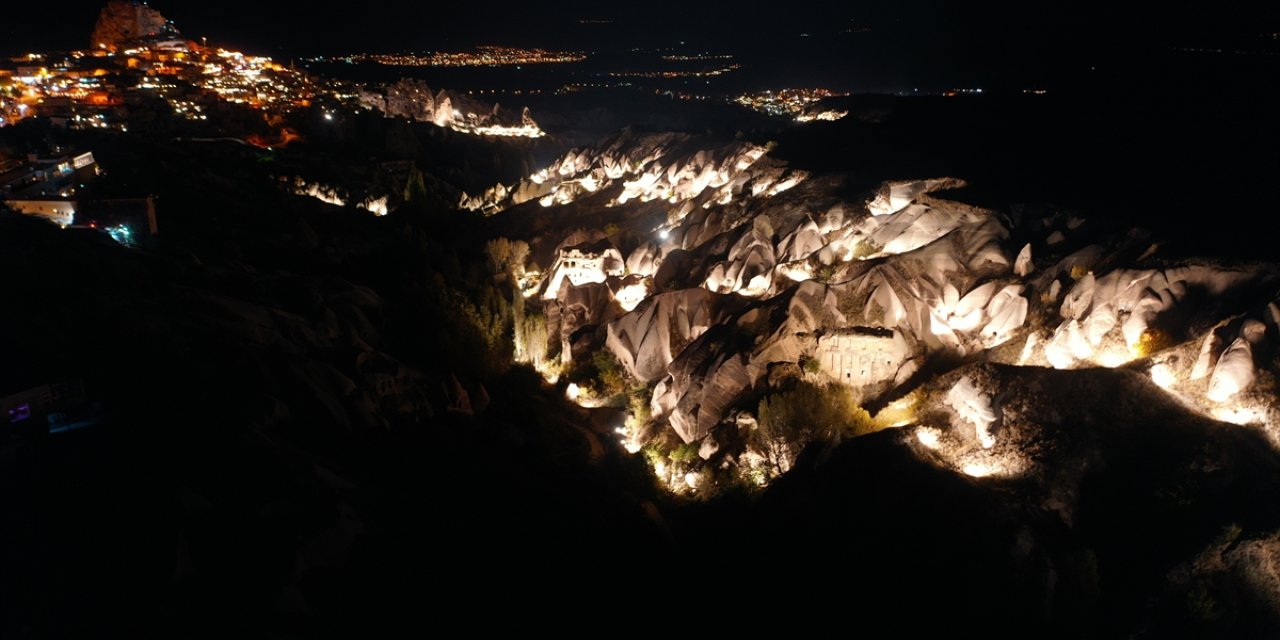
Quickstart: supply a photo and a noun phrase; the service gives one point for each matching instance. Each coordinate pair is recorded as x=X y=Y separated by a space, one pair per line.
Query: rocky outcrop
x=125 y=21
x=648 y=167
x=413 y=99
x=646 y=340
x=743 y=276
x=705 y=381
x=579 y=307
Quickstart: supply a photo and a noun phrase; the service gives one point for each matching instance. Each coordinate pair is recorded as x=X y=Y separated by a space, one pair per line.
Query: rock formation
x=413 y=99
x=125 y=21
x=743 y=275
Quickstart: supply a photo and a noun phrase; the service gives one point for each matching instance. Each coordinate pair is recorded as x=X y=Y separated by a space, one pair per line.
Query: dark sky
x=920 y=37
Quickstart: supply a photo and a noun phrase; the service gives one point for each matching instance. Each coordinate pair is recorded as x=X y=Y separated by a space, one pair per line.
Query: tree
x=415 y=187
x=610 y=376
x=792 y=420
x=506 y=256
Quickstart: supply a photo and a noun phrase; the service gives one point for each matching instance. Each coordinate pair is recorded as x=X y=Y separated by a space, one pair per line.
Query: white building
x=584 y=264
x=58 y=211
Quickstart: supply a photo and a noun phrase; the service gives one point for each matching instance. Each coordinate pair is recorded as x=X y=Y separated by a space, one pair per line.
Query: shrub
x=1151 y=341
x=611 y=378
x=653 y=455
x=683 y=454
x=866 y=249
x=791 y=420
x=506 y=257
x=531 y=337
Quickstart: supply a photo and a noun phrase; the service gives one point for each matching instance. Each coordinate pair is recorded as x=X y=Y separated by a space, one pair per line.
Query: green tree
x=610 y=376
x=683 y=454
x=415 y=187
x=791 y=420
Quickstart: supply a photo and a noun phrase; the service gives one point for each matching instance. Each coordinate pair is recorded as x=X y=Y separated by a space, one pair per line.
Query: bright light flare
x=979 y=469
x=1238 y=415
x=1163 y=376
x=929 y=437
x=1112 y=359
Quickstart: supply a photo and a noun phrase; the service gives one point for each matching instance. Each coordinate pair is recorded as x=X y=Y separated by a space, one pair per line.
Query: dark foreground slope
x=243 y=485
x=287 y=453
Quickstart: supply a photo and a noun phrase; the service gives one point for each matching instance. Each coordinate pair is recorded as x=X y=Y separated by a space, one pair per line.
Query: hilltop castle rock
x=122 y=21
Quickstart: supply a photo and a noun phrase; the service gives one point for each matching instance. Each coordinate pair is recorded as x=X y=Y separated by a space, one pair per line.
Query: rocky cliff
x=123 y=21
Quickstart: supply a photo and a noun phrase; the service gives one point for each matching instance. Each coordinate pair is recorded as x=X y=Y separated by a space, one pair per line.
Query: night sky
x=911 y=38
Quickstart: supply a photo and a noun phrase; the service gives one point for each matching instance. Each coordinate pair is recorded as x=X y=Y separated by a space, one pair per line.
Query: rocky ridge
x=728 y=265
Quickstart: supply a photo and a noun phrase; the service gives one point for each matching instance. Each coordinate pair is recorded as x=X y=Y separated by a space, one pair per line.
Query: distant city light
x=486 y=56
x=792 y=102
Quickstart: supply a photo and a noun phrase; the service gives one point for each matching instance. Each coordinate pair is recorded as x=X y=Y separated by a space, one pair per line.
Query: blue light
x=121 y=234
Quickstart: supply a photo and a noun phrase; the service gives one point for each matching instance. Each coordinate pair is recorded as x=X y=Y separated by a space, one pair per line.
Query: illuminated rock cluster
x=735 y=271
x=332 y=195
x=414 y=100
x=644 y=169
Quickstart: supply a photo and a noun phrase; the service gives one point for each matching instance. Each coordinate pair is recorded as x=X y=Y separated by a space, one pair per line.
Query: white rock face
x=581 y=265
x=646 y=340
x=913 y=227
x=895 y=196
x=860 y=359
x=1022 y=266
x=974 y=407
x=1131 y=299
x=645 y=168
x=1008 y=313
x=703 y=383
x=1234 y=372
x=413 y=99
x=739 y=269
x=1208 y=358
x=331 y=195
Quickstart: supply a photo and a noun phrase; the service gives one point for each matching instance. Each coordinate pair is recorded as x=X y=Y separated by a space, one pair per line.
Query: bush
x=531 y=337
x=611 y=378
x=506 y=257
x=653 y=455
x=791 y=420
x=1152 y=341
x=683 y=454
x=866 y=249
x=638 y=405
